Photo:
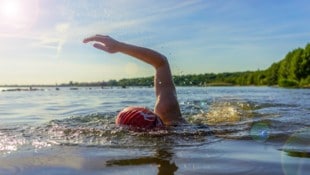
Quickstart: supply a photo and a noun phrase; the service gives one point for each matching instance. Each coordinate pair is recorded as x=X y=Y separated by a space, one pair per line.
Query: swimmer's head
x=138 y=117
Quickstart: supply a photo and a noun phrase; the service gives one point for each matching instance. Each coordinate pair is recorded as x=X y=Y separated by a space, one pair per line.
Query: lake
x=232 y=130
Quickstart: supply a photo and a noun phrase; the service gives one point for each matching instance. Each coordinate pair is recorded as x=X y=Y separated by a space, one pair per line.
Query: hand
x=104 y=43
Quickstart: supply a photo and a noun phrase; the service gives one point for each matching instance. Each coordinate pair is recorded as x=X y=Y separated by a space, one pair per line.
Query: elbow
x=162 y=61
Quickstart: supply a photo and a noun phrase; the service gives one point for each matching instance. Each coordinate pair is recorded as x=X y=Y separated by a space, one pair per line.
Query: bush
x=305 y=82
x=288 y=83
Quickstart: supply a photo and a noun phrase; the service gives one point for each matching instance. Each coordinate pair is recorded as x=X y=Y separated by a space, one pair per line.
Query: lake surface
x=232 y=130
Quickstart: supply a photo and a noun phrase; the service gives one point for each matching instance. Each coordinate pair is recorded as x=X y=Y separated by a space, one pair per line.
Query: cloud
x=53 y=39
x=61 y=30
x=62 y=27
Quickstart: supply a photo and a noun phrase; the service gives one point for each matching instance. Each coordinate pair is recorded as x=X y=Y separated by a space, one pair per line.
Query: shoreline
x=75 y=87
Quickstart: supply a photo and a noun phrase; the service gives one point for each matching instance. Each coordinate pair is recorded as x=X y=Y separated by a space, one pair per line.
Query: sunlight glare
x=17 y=15
x=11 y=9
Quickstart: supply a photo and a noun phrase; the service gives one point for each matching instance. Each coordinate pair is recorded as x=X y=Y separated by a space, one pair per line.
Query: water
x=232 y=130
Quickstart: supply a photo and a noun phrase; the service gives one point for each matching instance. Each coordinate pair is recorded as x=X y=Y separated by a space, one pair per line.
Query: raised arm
x=111 y=45
x=167 y=106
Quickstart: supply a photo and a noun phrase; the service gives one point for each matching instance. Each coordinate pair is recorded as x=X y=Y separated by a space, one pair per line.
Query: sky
x=41 y=40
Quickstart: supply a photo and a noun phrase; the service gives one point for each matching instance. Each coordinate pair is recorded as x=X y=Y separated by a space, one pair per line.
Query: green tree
x=305 y=63
x=272 y=74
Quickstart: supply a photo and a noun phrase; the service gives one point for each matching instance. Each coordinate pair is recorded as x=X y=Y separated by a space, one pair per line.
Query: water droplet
x=260 y=132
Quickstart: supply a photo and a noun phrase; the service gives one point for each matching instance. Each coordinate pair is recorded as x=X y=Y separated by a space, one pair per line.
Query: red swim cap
x=138 y=117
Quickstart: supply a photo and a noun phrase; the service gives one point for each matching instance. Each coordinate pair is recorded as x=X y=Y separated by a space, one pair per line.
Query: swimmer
x=166 y=111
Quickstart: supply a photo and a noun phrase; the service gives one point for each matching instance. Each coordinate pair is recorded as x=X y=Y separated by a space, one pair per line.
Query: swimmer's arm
x=111 y=45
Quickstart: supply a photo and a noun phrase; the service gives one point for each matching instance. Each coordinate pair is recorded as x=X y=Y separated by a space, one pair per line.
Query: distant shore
x=11 y=88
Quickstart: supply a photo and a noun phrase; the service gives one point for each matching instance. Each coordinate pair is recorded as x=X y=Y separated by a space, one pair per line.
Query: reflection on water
x=162 y=158
x=296 y=153
x=298 y=144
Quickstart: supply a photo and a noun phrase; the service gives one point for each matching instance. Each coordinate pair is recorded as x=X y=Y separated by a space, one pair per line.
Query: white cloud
x=62 y=27
x=52 y=39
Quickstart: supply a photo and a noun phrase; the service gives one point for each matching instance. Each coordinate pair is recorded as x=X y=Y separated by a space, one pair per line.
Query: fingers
x=98 y=38
x=100 y=46
x=103 y=42
x=86 y=40
x=89 y=39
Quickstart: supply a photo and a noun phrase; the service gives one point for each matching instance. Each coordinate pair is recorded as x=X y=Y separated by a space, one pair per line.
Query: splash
x=223 y=113
x=98 y=130
x=10 y=143
x=103 y=132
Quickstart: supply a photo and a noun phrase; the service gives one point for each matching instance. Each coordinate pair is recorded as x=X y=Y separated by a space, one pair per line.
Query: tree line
x=292 y=71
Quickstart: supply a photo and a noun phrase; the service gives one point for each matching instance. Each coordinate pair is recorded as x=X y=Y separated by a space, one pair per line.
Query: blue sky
x=41 y=40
